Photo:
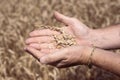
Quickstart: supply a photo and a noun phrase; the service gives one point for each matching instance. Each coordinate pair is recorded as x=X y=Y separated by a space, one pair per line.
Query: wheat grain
x=61 y=41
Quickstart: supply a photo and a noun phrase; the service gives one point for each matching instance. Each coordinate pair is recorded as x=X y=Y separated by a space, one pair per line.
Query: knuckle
x=49 y=59
x=60 y=65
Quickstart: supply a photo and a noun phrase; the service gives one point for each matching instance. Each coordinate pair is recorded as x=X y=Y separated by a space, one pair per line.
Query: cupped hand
x=66 y=57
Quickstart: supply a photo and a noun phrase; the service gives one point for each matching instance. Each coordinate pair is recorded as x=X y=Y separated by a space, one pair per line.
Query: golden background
x=17 y=18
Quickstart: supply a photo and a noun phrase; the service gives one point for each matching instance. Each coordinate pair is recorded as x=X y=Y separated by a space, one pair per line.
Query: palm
x=79 y=31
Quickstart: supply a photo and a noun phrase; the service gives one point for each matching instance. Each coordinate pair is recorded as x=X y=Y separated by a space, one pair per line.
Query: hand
x=73 y=26
x=74 y=55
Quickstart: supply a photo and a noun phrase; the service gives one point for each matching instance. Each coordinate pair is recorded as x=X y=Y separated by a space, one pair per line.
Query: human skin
x=105 y=38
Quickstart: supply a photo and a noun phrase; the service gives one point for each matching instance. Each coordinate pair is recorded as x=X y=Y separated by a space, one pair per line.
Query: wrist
x=87 y=55
x=95 y=38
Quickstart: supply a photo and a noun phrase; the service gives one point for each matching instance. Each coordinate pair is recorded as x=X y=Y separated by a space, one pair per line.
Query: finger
x=45 y=51
x=35 y=45
x=54 y=57
x=36 y=53
x=48 y=51
x=42 y=46
x=61 y=65
x=44 y=32
x=64 y=19
x=44 y=39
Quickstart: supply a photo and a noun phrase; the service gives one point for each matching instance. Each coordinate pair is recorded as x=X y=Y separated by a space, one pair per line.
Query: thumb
x=54 y=57
x=62 y=18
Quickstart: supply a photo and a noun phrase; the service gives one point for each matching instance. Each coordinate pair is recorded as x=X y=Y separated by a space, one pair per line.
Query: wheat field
x=17 y=18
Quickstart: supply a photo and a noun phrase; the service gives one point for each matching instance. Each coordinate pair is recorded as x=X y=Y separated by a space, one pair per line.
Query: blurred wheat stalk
x=16 y=21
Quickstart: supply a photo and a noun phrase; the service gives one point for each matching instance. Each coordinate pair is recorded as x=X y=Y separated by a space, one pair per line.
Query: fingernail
x=43 y=60
x=31 y=45
x=25 y=48
x=30 y=34
x=26 y=41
